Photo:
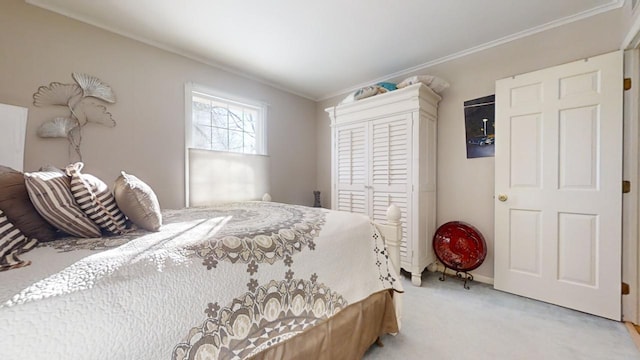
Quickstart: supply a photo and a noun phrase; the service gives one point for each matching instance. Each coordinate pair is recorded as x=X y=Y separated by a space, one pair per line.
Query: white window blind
x=225 y=151
x=216 y=177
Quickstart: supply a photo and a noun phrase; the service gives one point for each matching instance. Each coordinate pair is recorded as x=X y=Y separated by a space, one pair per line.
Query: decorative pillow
x=138 y=202
x=17 y=207
x=349 y=99
x=435 y=83
x=366 y=92
x=51 y=168
x=51 y=195
x=387 y=86
x=94 y=198
x=13 y=243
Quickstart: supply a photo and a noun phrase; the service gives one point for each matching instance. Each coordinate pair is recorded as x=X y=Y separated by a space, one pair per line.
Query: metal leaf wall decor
x=81 y=110
x=57 y=127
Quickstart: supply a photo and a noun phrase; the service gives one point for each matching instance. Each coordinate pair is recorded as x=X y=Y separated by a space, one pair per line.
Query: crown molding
x=632 y=39
x=168 y=48
x=612 y=5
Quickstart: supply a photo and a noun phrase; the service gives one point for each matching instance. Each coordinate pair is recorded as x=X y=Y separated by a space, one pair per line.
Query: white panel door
x=558 y=185
x=351 y=174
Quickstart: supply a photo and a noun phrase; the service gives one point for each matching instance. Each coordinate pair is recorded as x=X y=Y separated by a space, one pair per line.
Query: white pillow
x=366 y=92
x=349 y=99
x=435 y=83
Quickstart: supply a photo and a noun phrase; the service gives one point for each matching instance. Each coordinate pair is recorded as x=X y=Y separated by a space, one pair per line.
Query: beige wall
x=465 y=186
x=38 y=47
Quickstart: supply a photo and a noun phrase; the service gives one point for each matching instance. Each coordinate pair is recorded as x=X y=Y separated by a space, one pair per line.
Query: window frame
x=261 y=121
x=261 y=125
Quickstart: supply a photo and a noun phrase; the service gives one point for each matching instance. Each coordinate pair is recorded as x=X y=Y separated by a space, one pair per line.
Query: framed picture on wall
x=479 y=121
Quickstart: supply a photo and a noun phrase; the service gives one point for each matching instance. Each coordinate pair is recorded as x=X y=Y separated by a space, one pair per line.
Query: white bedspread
x=221 y=282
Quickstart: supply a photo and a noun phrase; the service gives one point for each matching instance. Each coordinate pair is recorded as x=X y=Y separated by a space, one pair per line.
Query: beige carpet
x=444 y=321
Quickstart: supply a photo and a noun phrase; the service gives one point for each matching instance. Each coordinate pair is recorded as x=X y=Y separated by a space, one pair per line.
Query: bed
x=256 y=279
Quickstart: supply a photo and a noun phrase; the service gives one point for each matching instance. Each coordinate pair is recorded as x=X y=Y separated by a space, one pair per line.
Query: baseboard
x=633 y=333
x=437 y=267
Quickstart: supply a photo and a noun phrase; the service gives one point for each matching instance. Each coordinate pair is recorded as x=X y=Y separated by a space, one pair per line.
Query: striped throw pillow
x=94 y=198
x=51 y=195
x=13 y=243
x=17 y=207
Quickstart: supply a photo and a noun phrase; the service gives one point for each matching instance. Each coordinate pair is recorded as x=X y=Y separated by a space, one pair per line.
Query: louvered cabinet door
x=390 y=172
x=351 y=168
x=381 y=201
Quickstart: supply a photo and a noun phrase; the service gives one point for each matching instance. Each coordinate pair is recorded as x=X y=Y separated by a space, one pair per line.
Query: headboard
x=13 y=128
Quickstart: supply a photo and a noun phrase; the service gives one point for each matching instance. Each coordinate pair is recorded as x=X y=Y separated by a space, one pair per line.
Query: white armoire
x=384 y=152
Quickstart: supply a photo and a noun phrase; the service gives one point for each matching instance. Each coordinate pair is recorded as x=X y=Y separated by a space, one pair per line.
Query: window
x=225 y=148
x=223 y=124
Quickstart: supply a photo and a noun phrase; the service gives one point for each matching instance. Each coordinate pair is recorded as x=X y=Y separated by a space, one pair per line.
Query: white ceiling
x=318 y=49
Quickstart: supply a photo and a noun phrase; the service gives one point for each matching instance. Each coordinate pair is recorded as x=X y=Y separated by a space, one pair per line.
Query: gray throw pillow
x=138 y=202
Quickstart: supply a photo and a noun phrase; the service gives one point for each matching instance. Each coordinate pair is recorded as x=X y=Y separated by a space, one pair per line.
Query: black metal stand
x=316 y=196
x=460 y=275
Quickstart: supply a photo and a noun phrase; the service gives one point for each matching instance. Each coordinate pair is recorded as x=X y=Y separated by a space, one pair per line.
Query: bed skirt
x=347 y=335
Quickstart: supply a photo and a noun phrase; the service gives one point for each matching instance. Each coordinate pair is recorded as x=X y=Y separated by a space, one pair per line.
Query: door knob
x=502 y=197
